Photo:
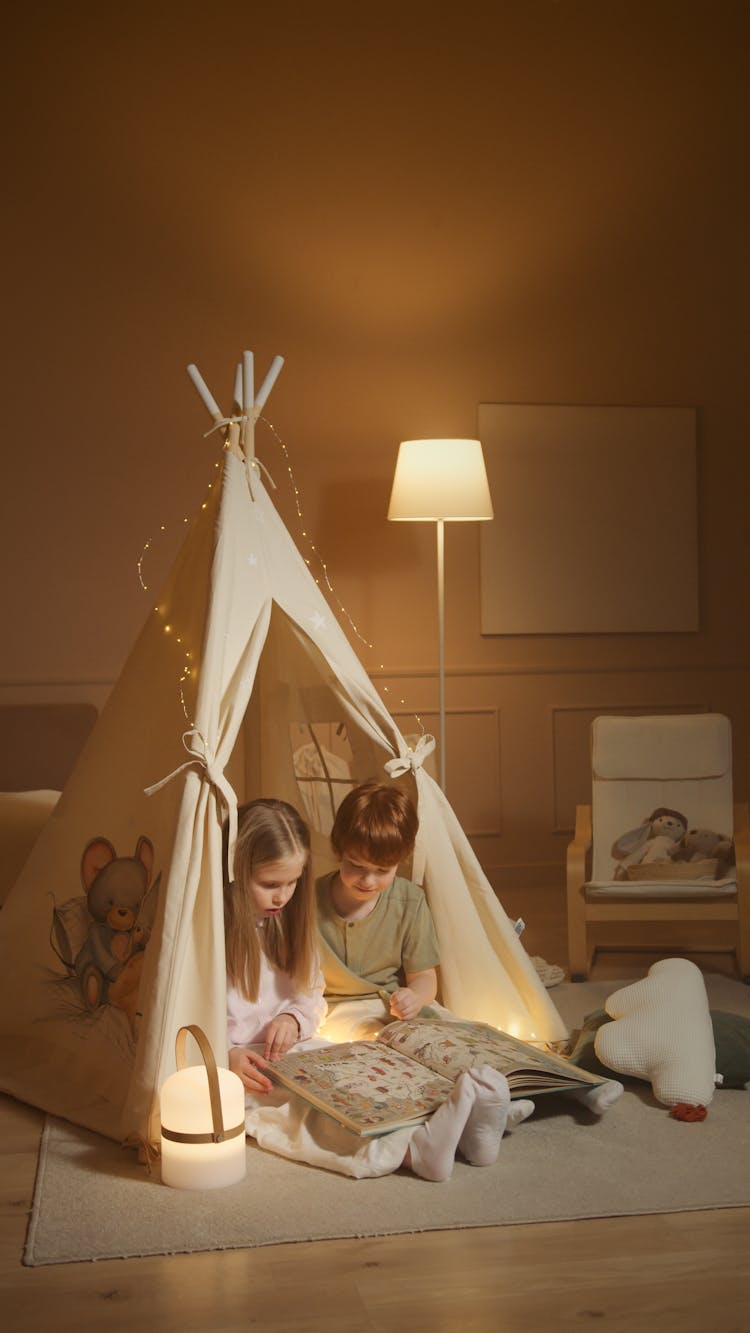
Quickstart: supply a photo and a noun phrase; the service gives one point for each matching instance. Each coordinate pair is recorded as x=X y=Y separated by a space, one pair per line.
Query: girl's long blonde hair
x=269 y=830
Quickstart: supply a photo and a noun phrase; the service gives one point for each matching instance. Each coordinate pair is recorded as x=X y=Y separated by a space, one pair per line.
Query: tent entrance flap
x=302 y=739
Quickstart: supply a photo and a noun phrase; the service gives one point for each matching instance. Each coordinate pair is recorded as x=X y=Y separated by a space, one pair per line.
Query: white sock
x=433 y=1146
x=600 y=1098
x=519 y=1110
x=480 y=1141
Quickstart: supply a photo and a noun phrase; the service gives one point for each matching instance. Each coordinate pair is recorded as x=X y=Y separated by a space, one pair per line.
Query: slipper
x=549 y=973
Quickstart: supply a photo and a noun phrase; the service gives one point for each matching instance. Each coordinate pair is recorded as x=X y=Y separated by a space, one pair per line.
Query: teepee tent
x=243 y=643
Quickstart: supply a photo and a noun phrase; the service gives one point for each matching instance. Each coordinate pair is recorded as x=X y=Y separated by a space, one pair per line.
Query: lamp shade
x=440 y=479
x=202 y=1122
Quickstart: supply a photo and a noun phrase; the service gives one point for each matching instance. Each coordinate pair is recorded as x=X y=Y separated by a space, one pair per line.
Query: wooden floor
x=682 y=1271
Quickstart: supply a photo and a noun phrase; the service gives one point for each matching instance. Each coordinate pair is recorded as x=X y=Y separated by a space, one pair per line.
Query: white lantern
x=197 y=1152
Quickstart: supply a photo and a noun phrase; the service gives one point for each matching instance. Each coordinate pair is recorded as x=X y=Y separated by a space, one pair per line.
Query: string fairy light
x=188 y=670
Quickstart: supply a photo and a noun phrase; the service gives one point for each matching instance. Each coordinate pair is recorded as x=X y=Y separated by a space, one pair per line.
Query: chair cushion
x=680 y=746
x=662 y=1032
x=662 y=792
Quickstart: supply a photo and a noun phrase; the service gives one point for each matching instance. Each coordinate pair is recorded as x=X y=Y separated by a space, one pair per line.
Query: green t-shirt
x=372 y=956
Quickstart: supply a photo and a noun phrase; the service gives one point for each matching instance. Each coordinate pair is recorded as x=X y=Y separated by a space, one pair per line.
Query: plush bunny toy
x=655 y=840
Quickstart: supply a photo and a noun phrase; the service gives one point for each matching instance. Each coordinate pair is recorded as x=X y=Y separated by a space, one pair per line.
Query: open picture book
x=373 y=1087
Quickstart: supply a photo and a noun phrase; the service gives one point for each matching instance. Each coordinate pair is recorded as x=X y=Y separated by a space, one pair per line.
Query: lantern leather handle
x=204 y=1045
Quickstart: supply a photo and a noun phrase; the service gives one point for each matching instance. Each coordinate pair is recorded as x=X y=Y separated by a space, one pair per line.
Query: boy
x=377 y=940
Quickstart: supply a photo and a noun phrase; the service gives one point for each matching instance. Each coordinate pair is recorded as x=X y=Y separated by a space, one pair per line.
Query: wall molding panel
x=473 y=762
x=542 y=669
x=517 y=743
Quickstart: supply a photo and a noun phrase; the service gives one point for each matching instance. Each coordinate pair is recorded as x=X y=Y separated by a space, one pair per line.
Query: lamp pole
x=440 y=527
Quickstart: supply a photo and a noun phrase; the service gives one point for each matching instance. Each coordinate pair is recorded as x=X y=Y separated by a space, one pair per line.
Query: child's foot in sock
x=480 y=1141
x=600 y=1098
x=518 y=1111
x=433 y=1146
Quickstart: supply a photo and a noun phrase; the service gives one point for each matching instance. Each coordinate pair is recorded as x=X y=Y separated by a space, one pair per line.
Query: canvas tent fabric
x=267 y=655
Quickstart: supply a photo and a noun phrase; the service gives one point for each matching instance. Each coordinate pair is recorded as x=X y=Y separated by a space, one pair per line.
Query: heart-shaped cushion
x=662 y=1032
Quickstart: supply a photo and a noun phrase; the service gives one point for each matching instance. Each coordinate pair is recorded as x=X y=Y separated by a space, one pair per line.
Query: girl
x=275 y=999
x=274 y=988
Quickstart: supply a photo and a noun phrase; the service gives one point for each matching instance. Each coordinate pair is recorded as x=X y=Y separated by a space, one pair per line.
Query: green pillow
x=583 y=1053
x=731 y=1039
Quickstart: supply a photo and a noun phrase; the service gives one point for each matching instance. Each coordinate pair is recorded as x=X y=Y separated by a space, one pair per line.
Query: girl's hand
x=248 y=1065
x=281 y=1035
x=404 y=1003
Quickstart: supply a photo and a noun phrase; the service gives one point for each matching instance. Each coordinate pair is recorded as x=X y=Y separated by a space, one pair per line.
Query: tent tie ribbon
x=203 y=755
x=413 y=759
x=260 y=466
x=228 y=421
x=223 y=422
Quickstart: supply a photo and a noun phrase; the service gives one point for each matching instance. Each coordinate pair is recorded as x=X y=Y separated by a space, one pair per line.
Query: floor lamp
x=440 y=481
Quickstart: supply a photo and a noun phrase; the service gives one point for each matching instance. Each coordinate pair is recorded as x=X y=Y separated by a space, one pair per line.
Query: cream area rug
x=93 y=1201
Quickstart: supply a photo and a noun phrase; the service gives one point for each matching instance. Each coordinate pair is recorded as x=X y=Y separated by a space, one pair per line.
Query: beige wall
x=543 y=204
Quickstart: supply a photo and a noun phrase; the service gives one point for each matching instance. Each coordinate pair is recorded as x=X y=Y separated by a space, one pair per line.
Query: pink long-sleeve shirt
x=248 y=1020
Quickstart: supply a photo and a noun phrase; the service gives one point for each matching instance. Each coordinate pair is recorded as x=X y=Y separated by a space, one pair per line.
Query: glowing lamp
x=197 y=1151
x=440 y=481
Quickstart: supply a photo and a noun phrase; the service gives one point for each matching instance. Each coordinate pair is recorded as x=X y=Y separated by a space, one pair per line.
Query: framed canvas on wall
x=595 y=528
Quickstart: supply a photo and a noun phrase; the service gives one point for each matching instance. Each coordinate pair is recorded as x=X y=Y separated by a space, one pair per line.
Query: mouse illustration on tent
x=101 y=938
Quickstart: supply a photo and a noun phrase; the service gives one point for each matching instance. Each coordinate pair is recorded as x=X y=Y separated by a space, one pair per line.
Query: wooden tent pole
x=237 y=396
x=273 y=374
x=209 y=402
x=247 y=438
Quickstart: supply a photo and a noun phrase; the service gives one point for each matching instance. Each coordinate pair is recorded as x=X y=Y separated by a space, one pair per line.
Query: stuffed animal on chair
x=714 y=852
x=652 y=842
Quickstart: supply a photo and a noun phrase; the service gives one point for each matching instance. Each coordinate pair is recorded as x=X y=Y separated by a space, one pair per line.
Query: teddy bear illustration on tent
x=239 y=650
x=101 y=936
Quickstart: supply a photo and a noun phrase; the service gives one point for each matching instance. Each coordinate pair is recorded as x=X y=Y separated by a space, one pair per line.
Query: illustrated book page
x=450 y=1046
x=373 y=1087
x=365 y=1086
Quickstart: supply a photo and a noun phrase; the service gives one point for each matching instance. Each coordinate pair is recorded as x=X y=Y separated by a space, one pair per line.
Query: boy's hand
x=282 y=1033
x=248 y=1065
x=404 y=1003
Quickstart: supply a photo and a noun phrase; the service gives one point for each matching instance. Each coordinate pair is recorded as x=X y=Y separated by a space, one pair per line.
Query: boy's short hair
x=378 y=821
